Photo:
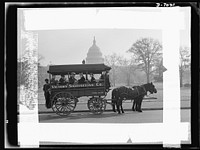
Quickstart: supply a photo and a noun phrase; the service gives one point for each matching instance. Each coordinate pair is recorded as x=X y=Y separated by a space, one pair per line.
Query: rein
x=146 y=91
x=143 y=89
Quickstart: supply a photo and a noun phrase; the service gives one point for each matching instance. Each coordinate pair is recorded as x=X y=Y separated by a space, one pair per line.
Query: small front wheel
x=96 y=105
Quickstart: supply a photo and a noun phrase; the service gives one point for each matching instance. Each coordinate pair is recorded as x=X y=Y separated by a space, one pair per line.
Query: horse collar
x=144 y=89
x=137 y=90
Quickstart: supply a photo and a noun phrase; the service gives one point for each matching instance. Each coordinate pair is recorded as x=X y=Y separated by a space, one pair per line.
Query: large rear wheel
x=63 y=103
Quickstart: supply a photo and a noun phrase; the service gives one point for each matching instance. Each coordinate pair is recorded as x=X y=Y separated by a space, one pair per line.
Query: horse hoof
x=122 y=111
x=139 y=110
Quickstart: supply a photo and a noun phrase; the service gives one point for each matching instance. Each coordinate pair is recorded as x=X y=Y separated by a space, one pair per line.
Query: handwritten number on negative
x=165 y=4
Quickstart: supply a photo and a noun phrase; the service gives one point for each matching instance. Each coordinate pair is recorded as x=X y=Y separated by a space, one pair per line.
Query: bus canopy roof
x=77 y=68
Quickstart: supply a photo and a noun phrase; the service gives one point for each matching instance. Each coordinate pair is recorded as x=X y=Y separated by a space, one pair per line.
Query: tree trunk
x=147 y=74
x=114 y=77
x=147 y=70
x=128 y=79
x=181 y=78
x=147 y=77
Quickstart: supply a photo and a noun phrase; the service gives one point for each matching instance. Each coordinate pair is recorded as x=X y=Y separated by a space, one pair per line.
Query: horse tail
x=113 y=96
x=113 y=100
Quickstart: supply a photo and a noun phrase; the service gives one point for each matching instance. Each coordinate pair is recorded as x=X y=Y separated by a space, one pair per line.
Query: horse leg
x=113 y=100
x=139 y=105
x=118 y=104
x=118 y=109
x=113 y=105
x=134 y=104
x=122 y=109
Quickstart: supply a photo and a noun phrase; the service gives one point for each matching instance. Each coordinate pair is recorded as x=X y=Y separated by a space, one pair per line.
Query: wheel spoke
x=65 y=110
x=68 y=108
x=70 y=105
x=58 y=106
x=60 y=109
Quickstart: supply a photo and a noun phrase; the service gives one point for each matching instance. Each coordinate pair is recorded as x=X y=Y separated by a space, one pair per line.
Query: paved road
x=146 y=104
x=147 y=116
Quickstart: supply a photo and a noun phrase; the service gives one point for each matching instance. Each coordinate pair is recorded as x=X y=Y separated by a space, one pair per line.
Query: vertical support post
x=171 y=82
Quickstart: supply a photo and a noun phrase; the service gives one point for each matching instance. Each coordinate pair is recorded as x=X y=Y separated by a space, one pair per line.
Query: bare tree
x=112 y=61
x=127 y=68
x=159 y=70
x=184 y=62
x=146 y=52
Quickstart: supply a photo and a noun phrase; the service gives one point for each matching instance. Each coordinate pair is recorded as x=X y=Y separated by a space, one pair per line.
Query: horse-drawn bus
x=64 y=94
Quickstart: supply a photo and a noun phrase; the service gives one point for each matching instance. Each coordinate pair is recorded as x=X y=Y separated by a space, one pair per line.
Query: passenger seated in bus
x=72 y=79
x=92 y=79
x=53 y=80
x=62 y=80
x=82 y=79
x=102 y=77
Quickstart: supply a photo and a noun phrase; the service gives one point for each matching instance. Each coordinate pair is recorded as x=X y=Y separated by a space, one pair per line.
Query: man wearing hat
x=72 y=78
x=82 y=79
x=53 y=80
x=46 y=88
x=62 y=80
x=92 y=80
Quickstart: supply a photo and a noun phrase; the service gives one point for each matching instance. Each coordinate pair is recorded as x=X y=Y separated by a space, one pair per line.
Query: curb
x=144 y=109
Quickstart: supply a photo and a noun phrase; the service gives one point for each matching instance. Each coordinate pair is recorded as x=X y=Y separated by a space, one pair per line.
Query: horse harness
x=145 y=91
x=126 y=92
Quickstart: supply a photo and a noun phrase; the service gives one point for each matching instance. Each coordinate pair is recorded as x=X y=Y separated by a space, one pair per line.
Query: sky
x=71 y=46
x=64 y=37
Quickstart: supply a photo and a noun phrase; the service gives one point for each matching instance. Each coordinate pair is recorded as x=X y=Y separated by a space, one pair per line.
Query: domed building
x=94 y=55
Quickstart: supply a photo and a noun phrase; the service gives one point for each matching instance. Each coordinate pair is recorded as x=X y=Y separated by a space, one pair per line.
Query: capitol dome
x=94 y=54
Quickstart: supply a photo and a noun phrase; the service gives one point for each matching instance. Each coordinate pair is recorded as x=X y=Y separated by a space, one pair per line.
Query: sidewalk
x=146 y=105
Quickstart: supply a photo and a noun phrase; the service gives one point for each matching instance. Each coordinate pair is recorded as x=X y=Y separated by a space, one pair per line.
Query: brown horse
x=135 y=93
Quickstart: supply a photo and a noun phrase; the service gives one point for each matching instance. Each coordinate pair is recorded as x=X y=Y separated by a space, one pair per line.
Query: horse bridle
x=146 y=90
